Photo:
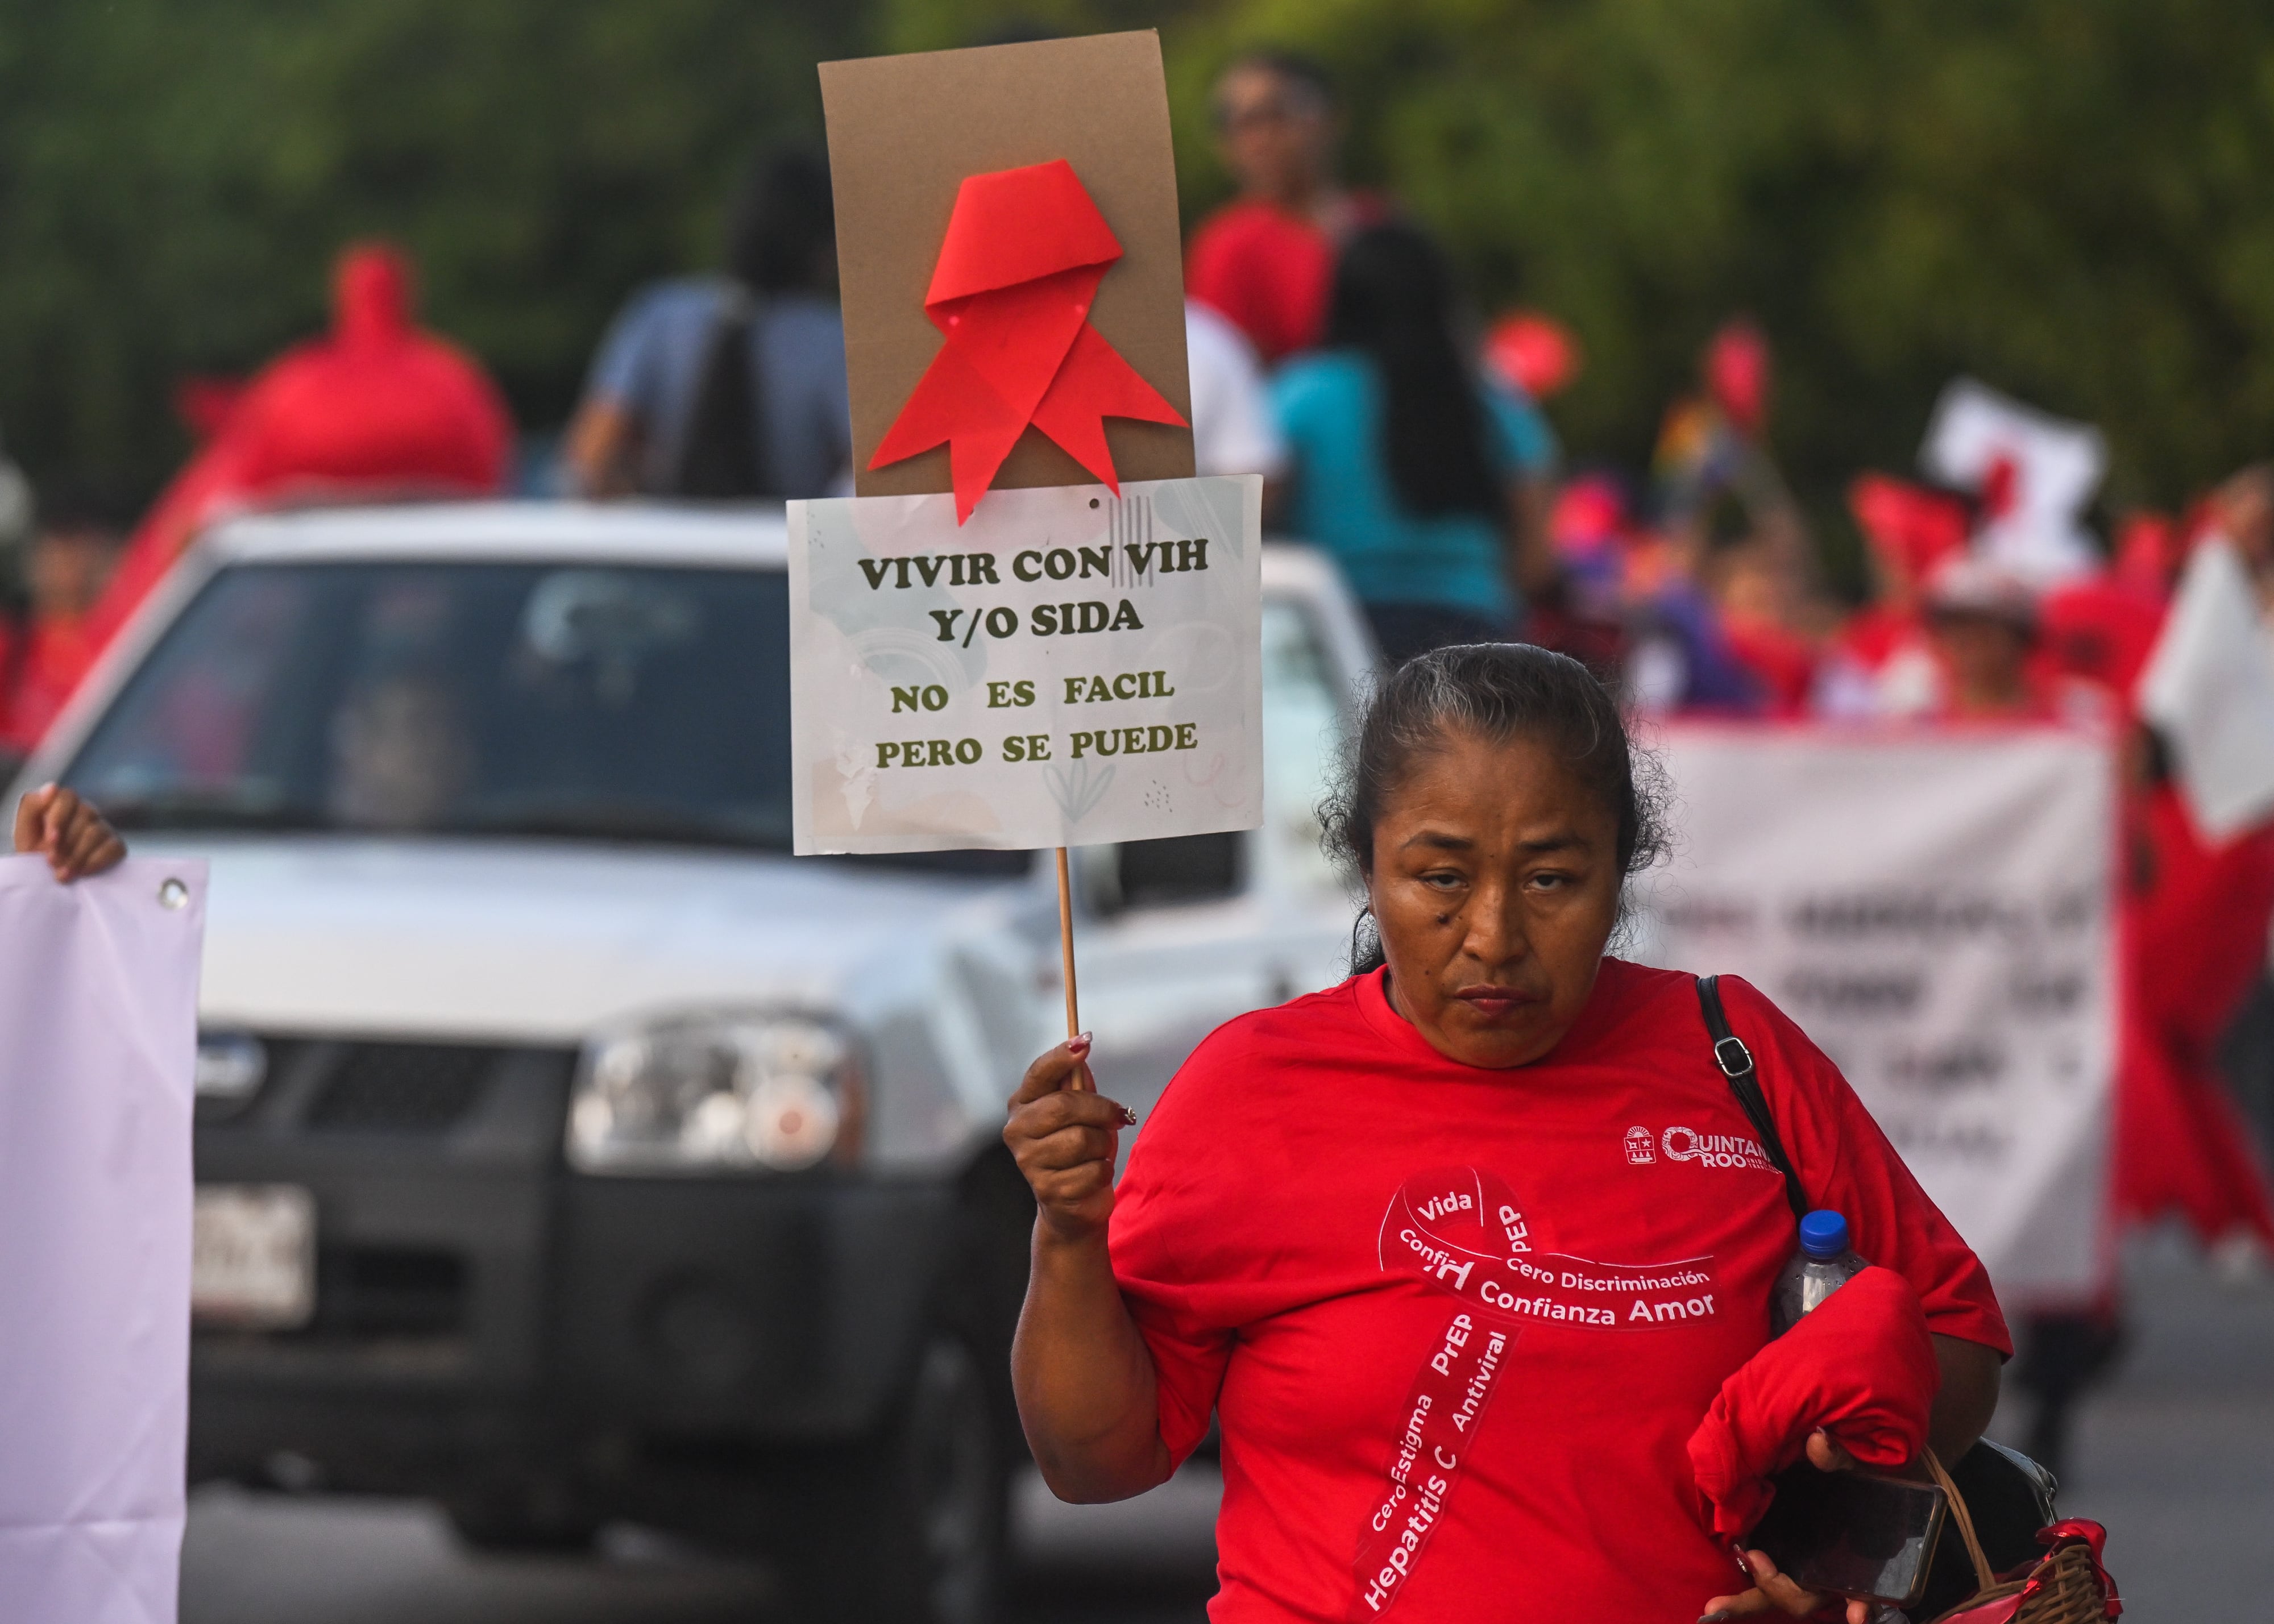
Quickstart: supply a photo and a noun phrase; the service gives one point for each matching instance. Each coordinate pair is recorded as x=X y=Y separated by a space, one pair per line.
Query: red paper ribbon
x=1024 y=253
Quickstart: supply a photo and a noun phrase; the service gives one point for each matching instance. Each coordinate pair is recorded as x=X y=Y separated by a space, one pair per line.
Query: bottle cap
x=1824 y=1234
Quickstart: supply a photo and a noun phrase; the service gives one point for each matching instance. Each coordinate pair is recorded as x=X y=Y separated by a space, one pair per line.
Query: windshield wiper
x=208 y=809
x=601 y=820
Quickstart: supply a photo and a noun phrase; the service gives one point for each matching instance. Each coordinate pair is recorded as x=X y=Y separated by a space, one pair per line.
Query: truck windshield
x=612 y=703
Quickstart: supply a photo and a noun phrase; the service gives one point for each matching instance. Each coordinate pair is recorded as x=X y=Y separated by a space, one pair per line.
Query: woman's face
x=1495 y=884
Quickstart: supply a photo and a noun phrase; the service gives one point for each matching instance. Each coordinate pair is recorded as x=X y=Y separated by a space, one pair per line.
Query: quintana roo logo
x=1712 y=1150
x=1639 y=1152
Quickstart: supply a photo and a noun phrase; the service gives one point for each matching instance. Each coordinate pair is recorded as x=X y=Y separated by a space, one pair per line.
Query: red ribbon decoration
x=1024 y=253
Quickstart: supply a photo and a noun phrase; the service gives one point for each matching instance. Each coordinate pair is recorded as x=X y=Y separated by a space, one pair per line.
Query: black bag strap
x=721 y=453
x=1735 y=1062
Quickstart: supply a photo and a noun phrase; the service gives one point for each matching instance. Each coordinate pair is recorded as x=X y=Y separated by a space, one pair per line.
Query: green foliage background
x=2068 y=197
x=176 y=175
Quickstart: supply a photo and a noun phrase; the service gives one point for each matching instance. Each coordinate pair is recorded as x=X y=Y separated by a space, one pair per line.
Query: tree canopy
x=2064 y=199
x=176 y=178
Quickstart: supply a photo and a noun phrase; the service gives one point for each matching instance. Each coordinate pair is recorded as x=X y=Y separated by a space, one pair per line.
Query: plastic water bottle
x=1821 y=1267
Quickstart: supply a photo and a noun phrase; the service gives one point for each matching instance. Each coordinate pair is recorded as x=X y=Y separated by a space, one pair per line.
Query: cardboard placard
x=1061 y=664
x=904 y=133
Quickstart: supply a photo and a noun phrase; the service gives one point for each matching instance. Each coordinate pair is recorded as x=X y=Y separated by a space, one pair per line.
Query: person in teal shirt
x=1426 y=484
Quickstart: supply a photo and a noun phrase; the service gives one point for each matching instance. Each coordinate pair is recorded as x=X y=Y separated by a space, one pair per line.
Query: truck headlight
x=716 y=1093
x=231 y=1068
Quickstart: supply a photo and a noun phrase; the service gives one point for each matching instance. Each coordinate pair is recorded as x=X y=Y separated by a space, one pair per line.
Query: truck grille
x=380 y=1291
x=404 y=1087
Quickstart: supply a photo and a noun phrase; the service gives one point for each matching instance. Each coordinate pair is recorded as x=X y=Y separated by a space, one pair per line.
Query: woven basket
x=2069 y=1586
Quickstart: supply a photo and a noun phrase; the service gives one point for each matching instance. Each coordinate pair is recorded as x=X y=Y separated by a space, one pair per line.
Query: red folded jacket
x=1861 y=1368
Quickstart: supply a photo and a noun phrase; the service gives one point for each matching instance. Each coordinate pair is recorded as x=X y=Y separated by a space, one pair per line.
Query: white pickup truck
x=567 y=1150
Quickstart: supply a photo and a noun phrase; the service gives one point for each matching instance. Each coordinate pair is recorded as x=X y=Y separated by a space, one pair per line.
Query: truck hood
x=544 y=942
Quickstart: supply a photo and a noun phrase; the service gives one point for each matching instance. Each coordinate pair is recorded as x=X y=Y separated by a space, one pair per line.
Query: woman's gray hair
x=1492 y=691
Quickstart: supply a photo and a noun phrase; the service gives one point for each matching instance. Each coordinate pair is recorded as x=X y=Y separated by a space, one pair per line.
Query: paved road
x=271 y=1560
x=2177 y=1457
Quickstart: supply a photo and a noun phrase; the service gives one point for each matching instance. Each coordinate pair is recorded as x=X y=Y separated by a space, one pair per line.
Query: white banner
x=98 y=1041
x=1934 y=909
x=1067 y=668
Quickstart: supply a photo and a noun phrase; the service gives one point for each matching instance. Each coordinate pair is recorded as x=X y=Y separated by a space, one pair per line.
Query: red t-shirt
x=1372 y=1260
x=1266 y=271
x=42 y=669
x=1269 y=272
x=1781 y=660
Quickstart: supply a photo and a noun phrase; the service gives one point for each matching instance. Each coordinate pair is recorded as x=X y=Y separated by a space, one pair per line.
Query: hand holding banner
x=98 y=1036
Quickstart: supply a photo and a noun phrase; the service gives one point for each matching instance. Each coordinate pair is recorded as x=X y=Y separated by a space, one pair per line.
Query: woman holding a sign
x=1472 y=1255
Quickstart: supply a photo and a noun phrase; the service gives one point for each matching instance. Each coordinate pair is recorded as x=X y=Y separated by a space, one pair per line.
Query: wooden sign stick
x=1066 y=949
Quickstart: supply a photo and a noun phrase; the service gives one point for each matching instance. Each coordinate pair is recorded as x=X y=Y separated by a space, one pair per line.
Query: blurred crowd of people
x=1330 y=351
x=374 y=407
x=1411 y=445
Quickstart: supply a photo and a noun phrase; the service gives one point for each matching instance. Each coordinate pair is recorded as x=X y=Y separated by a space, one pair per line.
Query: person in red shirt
x=1983 y=625
x=1982 y=622
x=1462 y=1252
x=2198 y=903
x=1878 y=663
x=2194 y=922
x=65 y=567
x=1760 y=601
x=1266 y=261
x=377 y=407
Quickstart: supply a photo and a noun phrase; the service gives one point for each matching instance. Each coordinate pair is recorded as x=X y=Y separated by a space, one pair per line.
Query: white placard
x=2209 y=687
x=98 y=1040
x=1067 y=668
x=1934 y=909
x=2053 y=465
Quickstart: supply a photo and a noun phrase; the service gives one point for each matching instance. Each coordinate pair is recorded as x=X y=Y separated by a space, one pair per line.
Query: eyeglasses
x=1278 y=107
